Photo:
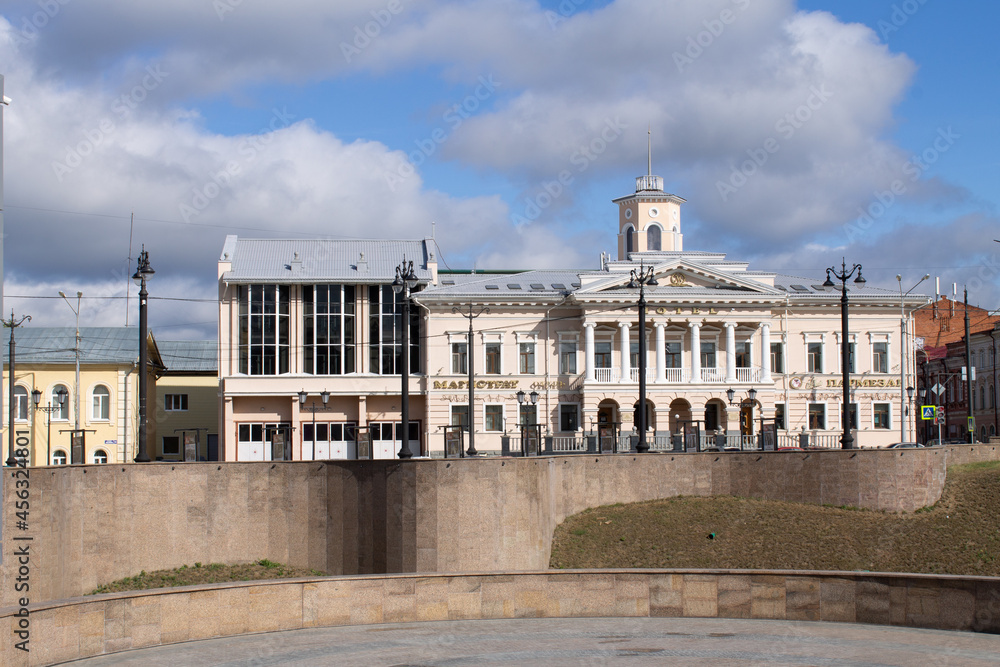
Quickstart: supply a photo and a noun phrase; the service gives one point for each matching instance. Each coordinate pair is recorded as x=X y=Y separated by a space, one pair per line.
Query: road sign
x=927 y=412
x=937 y=388
x=972 y=424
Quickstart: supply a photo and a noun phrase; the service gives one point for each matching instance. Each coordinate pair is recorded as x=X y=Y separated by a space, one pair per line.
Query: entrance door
x=384 y=444
x=746 y=420
x=711 y=417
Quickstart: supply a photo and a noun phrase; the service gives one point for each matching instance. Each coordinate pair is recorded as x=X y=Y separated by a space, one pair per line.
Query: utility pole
x=968 y=370
x=76 y=349
x=12 y=324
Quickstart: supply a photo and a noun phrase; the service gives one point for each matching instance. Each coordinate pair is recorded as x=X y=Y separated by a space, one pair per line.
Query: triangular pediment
x=679 y=277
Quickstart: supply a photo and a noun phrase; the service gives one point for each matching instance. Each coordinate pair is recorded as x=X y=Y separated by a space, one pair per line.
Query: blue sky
x=203 y=119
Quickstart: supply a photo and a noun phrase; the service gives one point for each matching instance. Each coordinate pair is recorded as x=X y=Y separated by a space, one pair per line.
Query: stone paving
x=589 y=642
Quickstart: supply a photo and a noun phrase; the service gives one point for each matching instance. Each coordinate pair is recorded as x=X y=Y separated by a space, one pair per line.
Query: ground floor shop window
x=569 y=417
x=493 y=418
x=817 y=416
x=881 y=415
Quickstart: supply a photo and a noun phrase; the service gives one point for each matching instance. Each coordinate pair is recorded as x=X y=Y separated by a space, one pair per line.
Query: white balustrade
x=713 y=375
x=750 y=374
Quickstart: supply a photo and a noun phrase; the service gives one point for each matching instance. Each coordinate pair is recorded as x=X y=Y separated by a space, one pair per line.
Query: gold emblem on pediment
x=677 y=280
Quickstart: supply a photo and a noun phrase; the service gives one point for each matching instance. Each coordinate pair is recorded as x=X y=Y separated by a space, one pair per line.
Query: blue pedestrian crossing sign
x=927 y=411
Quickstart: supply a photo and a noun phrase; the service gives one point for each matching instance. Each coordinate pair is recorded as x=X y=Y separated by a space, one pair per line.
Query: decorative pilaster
x=661 y=362
x=765 y=352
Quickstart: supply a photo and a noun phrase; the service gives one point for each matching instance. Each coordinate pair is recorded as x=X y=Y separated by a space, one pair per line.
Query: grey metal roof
x=806 y=287
x=189 y=356
x=520 y=284
x=55 y=345
x=323 y=260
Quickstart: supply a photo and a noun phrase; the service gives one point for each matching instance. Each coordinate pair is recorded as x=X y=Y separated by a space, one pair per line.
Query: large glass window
x=328 y=326
x=779 y=416
x=881 y=414
x=492 y=351
x=814 y=354
x=459 y=358
x=817 y=416
x=20 y=404
x=708 y=354
x=263 y=314
x=569 y=416
x=385 y=321
x=777 y=358
x=743 y=358
x=602 y=355
x=101 y=407
x=528 y=414
x=493 y=418
x=653 y=238
x=567 y=357
x=672 y=355
x=460 y=416
x=62 y=414
x=526 y=358
x=880 y=357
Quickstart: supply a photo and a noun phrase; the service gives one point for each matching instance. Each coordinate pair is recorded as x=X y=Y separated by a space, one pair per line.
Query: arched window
x=59 y=458
x=982 y=397
x=20 y=404
x=62 y=414
x=629 y=240
x=100 y=456
x=653 y=240
x=993 y=397
x=101 y=404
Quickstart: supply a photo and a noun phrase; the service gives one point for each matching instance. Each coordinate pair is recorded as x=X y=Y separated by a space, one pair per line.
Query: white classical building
x=320 y=318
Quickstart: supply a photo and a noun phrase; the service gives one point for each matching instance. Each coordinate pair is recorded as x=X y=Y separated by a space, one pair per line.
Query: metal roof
x=553 y=283
x=323 y=260
x=55 y=345
x=189 y=356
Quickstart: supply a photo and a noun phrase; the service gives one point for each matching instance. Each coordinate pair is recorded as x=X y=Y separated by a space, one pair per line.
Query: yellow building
x=187 y=402
x=52 y=401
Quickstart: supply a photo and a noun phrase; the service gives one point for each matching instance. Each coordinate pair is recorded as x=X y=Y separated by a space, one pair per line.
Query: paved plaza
x=588 y=641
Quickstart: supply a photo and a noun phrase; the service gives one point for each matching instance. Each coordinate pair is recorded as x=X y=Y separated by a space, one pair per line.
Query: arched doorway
x=715 y=416
x=650 y=416
x=608 y=425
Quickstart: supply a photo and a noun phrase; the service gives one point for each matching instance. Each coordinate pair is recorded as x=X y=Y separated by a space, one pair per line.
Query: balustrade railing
x=749 y=374
x=713 y=375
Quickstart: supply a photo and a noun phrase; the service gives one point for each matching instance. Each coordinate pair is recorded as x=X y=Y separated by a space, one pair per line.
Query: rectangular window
x=817 y=416
x=263 y=329
x=569 y=419
x=602 y=355
x=567 y=357
x=459 y=358
x=634 y=354
x=175 y=402
x=672 y=355
x=854 y=416
x=708 y=354
x=814 y=354
x=493 y=418
x=385 y=324
x=460 y=416
x=779 y=416
x=880 y=357
x=777 y=358
x=526 y=358
x=528 y=414
x=852 y=364
x=881 y=414
x=328 y=326
x=743 y=356
x=101 y=406
x=171 y=445
x=20 y=404
x=492 y=351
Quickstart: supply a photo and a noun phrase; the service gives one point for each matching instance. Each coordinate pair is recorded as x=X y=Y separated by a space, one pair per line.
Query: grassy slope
x=959 y=535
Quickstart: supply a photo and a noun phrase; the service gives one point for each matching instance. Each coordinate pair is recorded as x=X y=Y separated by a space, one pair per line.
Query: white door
x=384 y=445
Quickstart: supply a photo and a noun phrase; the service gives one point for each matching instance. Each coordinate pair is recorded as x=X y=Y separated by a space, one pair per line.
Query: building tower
x=650 y=219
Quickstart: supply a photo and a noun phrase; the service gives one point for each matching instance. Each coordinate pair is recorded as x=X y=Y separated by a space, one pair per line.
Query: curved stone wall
x=94 y=524
x=83 y=627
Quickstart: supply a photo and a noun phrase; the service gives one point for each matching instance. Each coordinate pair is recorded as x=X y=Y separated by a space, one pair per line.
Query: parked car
x=790 y=449
x=905 y=445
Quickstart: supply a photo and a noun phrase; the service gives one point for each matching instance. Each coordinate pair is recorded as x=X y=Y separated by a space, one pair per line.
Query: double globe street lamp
x=406 y=280
x=36 y=397
x=846 y=440
x=640 y=278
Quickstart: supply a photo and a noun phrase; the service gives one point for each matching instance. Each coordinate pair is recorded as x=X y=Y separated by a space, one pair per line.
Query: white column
x=661 y=362
x=730 y=351
x=625 y=349
x=695 y=351
x=765 y=352
x=588 y=338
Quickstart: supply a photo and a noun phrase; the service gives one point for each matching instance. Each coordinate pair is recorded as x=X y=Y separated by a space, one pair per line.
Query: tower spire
x=649 y=150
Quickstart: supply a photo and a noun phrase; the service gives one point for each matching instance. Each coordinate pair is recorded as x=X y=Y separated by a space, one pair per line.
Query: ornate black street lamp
x=404 y=283
x=325 y=396
x=846 y=440
x=471 y=362
x=36 y=396
x=143 y=273
x=640 y=278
